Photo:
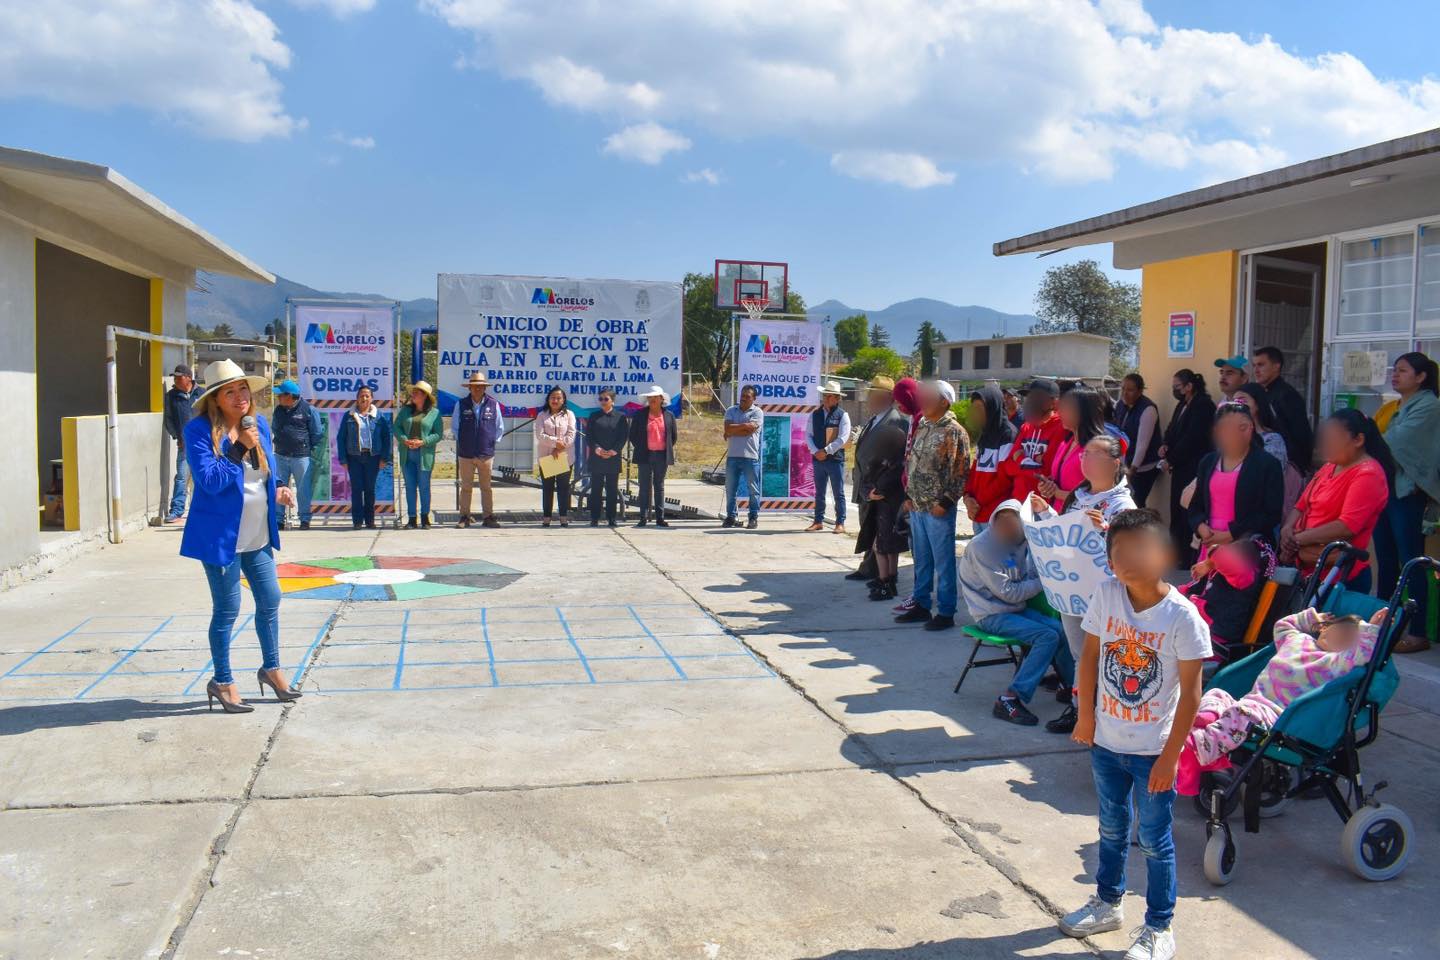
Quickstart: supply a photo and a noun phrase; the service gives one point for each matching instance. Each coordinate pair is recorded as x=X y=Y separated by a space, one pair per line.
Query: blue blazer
x=214 y=523
x=380 y=442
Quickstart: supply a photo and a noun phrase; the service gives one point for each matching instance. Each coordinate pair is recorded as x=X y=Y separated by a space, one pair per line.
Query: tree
x=222 y=331
x=879 y=336
x=925 y=340
x=1080 y=297
x=194 y=331
x=871 y=362
x=851 y=335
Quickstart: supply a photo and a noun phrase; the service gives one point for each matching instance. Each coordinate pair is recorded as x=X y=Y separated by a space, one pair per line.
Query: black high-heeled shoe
x=212 y=693
x=284 y=696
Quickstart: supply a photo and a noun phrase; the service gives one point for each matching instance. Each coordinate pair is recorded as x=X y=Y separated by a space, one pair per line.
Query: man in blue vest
x=478 y=426
x=826 y=439
x=178 y=401
x=296 y=431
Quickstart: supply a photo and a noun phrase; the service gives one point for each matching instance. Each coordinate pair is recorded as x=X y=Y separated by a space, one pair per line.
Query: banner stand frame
x=735 y=319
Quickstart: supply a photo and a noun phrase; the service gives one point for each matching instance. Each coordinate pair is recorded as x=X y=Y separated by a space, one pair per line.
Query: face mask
x=1177 y=393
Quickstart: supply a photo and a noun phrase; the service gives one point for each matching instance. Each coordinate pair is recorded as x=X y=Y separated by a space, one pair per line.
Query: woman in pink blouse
x=555 y=436
x=1082 y=414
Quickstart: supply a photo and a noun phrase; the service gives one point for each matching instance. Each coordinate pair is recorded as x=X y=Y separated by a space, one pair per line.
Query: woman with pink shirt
x=1082 y=414
x=1239 y=488
x=555 y=436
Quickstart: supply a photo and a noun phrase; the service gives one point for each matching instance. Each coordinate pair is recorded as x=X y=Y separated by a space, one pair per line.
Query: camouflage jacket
x=939 y=460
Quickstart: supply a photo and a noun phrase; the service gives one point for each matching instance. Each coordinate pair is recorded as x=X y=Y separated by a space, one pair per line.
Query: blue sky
x=366 y=145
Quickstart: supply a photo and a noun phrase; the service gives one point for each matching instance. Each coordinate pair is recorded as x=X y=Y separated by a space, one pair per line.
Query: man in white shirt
x=829 y=432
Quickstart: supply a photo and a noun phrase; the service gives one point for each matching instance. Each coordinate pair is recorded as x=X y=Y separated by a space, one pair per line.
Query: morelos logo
x=761 y=343
x=324 y=333
x=547 y=297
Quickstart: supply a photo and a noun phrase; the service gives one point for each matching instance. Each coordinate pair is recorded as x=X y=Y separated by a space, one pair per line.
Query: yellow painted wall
x=157 y=350
x=1206 y=285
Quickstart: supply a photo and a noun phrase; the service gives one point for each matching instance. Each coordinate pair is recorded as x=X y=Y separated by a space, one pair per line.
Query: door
x=1285 y=307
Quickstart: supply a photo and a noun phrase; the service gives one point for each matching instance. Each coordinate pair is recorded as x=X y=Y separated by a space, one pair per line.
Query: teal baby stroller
x=1316 y=742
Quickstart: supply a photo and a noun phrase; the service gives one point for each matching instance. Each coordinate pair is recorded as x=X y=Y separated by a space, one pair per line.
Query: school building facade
x=1336 y=261
x=83 y=248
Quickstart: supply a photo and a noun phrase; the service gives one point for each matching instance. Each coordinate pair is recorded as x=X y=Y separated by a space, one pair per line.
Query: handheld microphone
x=247 y=422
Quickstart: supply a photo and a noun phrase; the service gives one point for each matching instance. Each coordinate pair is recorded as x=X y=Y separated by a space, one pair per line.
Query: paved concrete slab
x=800 y=865
x=106 y=884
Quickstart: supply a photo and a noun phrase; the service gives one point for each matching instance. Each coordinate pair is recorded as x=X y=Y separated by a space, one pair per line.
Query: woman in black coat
x=1187 y=440
x=652 y=442
x=880 y=531
x=605 y=435
x=1258 y=484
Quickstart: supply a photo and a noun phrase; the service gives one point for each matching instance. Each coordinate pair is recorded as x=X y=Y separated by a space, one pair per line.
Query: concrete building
x=259 y=358
x=1336 y=261
x=81 y=247
x=1077 y=355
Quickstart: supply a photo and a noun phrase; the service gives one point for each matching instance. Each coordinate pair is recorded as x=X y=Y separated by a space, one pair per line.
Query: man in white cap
x=478 y=427
x=998 y=579
x=935 y=470
x=743 y=423
x=829 y=432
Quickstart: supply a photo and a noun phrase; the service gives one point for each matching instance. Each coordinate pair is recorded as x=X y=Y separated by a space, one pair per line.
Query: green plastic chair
x=1011 y=646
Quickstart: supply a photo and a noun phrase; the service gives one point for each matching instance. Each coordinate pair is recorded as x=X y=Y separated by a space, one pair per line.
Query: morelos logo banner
x=337 y=350
x=781 y=360
x=1070 y=555
x=529 y=334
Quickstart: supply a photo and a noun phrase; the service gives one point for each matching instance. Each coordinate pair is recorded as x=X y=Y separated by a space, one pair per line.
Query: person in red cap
x=1033 y=454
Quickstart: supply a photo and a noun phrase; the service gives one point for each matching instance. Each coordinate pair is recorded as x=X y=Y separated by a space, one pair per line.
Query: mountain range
x=247 y=306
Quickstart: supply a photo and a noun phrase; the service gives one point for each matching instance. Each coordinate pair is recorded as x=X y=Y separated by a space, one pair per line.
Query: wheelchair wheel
x=1219 y=856
x=1276 y=780
x=1375 y=843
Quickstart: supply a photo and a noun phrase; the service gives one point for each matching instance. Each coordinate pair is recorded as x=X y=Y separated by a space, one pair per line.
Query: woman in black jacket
x=1239 y=488
x=1187 y=440
x=605 y=434
x=880 y=532
x=652 y=442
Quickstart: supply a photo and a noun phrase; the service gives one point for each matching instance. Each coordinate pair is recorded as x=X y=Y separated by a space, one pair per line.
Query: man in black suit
x=880 y=401
x=1292 y=414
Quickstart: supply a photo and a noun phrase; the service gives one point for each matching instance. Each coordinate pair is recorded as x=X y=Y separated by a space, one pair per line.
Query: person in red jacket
x=1033 y=454
x=988 y=485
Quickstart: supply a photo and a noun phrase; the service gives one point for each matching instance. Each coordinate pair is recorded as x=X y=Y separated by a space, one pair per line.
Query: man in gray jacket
x=997 y=579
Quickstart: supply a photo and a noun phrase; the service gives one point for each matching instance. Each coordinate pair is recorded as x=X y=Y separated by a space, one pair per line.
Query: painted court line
x=400 y=655
x=310 y=650
x=44 y=649
x=489 y=648
x=578 y=652
x=117 y=664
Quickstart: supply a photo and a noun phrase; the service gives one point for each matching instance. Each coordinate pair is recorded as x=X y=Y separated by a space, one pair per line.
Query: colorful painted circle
x=390 y=578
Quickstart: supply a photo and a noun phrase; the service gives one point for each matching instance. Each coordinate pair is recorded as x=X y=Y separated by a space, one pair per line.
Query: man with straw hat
x=478 y=427
x=829 y=433
x=298 y=431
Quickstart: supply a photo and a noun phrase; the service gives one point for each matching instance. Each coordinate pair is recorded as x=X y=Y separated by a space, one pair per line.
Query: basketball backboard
x=740 y=280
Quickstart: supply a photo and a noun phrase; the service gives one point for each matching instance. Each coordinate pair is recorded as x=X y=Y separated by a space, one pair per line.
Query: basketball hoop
x=754 y=307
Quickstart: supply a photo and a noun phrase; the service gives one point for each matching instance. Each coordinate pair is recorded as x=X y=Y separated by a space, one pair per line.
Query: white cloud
x=359 y=143
x=209 y=65
x=906 y=169
x=645 y=142
x=1069 y=89
x=704 y=175
x=339 y=8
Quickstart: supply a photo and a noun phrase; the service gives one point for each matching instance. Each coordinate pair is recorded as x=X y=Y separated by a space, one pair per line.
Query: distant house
x=258 y=358
x=1075 y=355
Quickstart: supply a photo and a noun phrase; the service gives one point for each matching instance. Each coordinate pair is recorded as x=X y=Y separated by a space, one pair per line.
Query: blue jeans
x=932 y=541
x=299 y=468
x=1399 y=536
x=1119 y=779
x=832 y=472
x=364 y=470
x=1046 y=638
x=748 y=469
x=182 y=477
x=258 y=567
x=416 y=480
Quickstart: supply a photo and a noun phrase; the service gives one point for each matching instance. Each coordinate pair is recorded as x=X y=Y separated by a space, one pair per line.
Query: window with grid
x=1377 y=285
x=1014 y=356
x=982 y=357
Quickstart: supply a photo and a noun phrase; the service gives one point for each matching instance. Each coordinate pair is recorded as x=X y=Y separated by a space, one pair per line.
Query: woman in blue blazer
x=363 y=448
x=234 y=524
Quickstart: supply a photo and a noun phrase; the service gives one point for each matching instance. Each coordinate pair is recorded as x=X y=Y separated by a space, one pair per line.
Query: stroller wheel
x=1216 y=782
x=1277 y=780
x=1375 y=843
x=1219 y=856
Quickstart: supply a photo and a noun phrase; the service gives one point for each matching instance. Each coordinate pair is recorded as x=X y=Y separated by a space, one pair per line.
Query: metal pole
x=288 y=358
x=112 y=432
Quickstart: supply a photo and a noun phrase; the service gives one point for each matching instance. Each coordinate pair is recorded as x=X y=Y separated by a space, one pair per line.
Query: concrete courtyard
x=649 y=743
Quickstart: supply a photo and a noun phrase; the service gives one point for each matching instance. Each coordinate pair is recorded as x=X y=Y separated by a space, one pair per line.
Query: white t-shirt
x=1138 y=688
x=255 y=516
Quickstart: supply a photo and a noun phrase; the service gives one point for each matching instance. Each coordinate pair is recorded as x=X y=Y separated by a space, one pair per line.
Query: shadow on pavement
x=23 y=719
x=1028 y=943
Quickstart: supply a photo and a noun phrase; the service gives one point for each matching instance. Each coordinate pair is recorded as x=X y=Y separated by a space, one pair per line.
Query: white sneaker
x=1152 y=944
x=1096 y=916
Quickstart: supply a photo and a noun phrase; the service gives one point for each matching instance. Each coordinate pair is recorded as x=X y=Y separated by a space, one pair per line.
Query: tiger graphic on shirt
x=1132 y=671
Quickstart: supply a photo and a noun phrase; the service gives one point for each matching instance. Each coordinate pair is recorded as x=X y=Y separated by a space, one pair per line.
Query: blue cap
x=1238 y=362
x=290 y=387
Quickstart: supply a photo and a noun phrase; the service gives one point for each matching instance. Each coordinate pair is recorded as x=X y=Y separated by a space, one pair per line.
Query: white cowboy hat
x=832 y=387
x=477 y=379
x=424 y=388
x=221 y=374
x=654 y=391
